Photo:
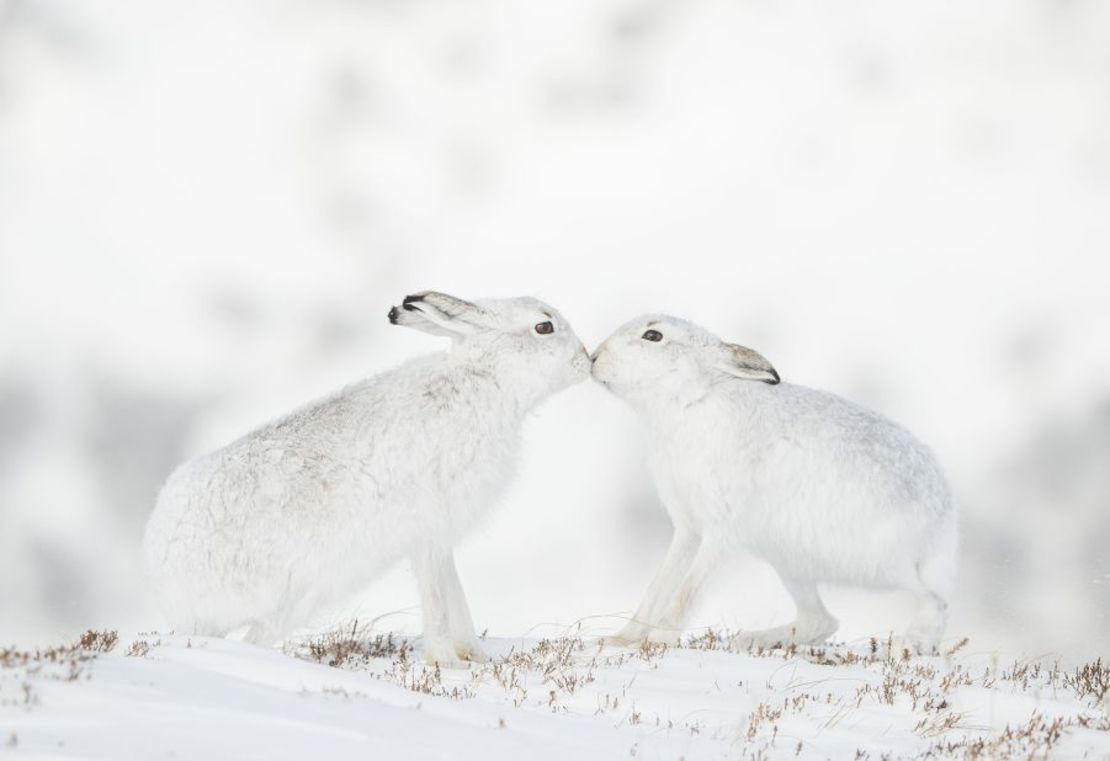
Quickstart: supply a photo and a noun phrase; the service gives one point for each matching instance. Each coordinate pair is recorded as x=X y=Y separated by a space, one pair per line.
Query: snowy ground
x=152 y=696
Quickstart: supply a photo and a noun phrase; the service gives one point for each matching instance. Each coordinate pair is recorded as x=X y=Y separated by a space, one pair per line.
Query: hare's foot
x=471 y=652
x=925 y=632
x=630 y=634
x=444 y=654
x=920 y=642
x=809 y=631
x=614 y=640
x=617 y=640
x=670 y=637
x=898 y=646
x=914 y=642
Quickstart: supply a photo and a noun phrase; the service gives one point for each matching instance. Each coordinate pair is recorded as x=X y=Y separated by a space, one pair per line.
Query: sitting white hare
x=305 y=511
x=822 y=489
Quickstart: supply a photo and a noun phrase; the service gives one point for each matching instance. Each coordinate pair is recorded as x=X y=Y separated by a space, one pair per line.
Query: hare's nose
x=597 y=352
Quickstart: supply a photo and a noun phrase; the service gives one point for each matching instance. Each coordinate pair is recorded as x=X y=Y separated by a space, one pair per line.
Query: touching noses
x=581 y=361
x=597 y=353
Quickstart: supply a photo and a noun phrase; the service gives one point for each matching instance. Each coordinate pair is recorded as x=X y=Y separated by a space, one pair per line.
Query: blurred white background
x=206 y=210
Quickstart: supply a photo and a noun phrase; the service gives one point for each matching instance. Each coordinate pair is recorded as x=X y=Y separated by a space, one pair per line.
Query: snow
x=164 y=696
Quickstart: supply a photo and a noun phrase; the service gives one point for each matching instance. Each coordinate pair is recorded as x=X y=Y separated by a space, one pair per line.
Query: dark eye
x=544 y=328
x=652 y=335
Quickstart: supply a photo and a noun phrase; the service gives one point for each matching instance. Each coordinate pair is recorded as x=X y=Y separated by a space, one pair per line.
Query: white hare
x=822 y=489
x=305 y=511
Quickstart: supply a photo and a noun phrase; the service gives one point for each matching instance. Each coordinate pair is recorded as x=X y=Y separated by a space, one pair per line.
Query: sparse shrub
x=1033 y=739
x=349 y=650
x=1090 y=681
x=138 y=648
x=98 y=641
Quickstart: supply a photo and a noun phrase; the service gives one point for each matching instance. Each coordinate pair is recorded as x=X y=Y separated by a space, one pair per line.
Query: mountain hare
x=308 y=509
x=823 y=490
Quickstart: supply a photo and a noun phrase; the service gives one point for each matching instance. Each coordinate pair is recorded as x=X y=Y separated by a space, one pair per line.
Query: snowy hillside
x=370 y=697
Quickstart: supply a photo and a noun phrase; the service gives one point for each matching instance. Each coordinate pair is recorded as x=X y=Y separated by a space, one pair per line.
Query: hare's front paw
x=811 y=631
x=615 y=640
x=471 y=652
x=444 y=655
x=630 y=634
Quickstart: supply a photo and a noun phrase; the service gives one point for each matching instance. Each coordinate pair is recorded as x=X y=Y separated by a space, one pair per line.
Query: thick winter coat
x=302 y=513
x=821 y=488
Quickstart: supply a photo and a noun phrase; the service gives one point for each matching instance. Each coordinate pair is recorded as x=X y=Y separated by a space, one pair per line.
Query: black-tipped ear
x=742 y=362
x=436 y=313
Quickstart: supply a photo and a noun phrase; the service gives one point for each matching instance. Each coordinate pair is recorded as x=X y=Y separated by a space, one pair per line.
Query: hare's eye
x=544 y=328
x=652 y=335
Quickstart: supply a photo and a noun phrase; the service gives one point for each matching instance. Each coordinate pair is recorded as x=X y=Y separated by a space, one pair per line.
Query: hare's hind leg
x=932 y=584
x=928 y=623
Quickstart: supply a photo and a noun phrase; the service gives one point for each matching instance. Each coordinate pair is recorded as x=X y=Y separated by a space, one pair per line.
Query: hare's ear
x=437 y=313
x=742 y=362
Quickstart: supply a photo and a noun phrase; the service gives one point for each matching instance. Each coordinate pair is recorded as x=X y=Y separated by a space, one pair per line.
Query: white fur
x=820 y=488
x=305 y=511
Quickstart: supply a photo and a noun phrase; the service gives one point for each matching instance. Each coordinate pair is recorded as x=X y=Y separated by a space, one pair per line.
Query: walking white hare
x=823 y=490
x=303 y=512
